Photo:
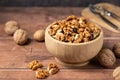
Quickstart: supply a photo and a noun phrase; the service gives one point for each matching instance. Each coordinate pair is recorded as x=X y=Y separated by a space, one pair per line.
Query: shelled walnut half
x=41 y=74
x=34 y=65
x=52 y=68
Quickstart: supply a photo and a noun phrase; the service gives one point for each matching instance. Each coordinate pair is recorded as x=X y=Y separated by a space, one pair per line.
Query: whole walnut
x=11 y=27
x=116 y=49
x=20 y=36
x=39 y=35
x=106 y=57
x=116 y=73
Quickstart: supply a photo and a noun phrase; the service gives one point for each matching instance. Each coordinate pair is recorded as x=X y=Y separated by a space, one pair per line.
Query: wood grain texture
x=71 y=74
x=14 y=58
x=98 y=20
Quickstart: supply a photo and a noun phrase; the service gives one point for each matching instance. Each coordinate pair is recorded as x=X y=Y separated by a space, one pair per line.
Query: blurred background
x=63 y=3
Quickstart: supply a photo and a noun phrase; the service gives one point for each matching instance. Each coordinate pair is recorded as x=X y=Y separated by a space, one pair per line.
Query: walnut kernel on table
x=34 y=65
x=116 y=49
x=20 y=36
x=41 y=74
x=11 y=27
x=39 y=35
x=52 y=68
x=106 y=57
x=74 y=30
x=116 y=73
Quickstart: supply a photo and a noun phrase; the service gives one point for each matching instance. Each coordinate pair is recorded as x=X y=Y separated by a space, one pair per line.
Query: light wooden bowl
x=70 y=54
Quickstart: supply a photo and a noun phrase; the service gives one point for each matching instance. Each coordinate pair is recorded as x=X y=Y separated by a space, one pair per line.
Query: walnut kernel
x=39 y=35
x=52 y=68
x=63 y=30
x=106 y=57
x=34 y=65
x=20 y=36
x=41 y=74
x=11 y=27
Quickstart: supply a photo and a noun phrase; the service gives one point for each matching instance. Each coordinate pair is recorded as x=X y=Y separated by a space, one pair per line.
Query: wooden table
x=14 y=58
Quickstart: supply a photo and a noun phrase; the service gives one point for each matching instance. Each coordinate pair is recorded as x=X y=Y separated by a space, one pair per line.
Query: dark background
x=64 y=3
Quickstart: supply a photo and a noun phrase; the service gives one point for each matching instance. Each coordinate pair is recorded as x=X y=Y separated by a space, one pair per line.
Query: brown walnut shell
x=116 y=49
x=20 y=36
x=39 y=35
x=11 y=27
x=106 y=57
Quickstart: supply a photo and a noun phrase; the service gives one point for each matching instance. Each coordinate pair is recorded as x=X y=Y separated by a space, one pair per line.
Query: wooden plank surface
x=14 y=58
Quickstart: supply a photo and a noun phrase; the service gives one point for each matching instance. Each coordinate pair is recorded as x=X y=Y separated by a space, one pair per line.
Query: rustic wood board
x=95 y=18
x=14 y=58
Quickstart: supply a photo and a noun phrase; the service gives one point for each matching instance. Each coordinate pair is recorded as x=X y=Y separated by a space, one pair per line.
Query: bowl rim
x=89 y=42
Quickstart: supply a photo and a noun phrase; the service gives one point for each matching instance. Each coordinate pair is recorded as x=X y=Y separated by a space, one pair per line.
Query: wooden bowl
x=73 y=54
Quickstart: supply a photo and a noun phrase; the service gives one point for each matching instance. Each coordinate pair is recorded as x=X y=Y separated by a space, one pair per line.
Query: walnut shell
x=106 y=57
x=116 y=73
x=39 y=35
x=20 y=36
x=116 y=49
x=11 y=27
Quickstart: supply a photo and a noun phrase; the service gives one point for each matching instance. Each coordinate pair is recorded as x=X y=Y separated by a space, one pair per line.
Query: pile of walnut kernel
x=43 y=73
x=74 y=30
